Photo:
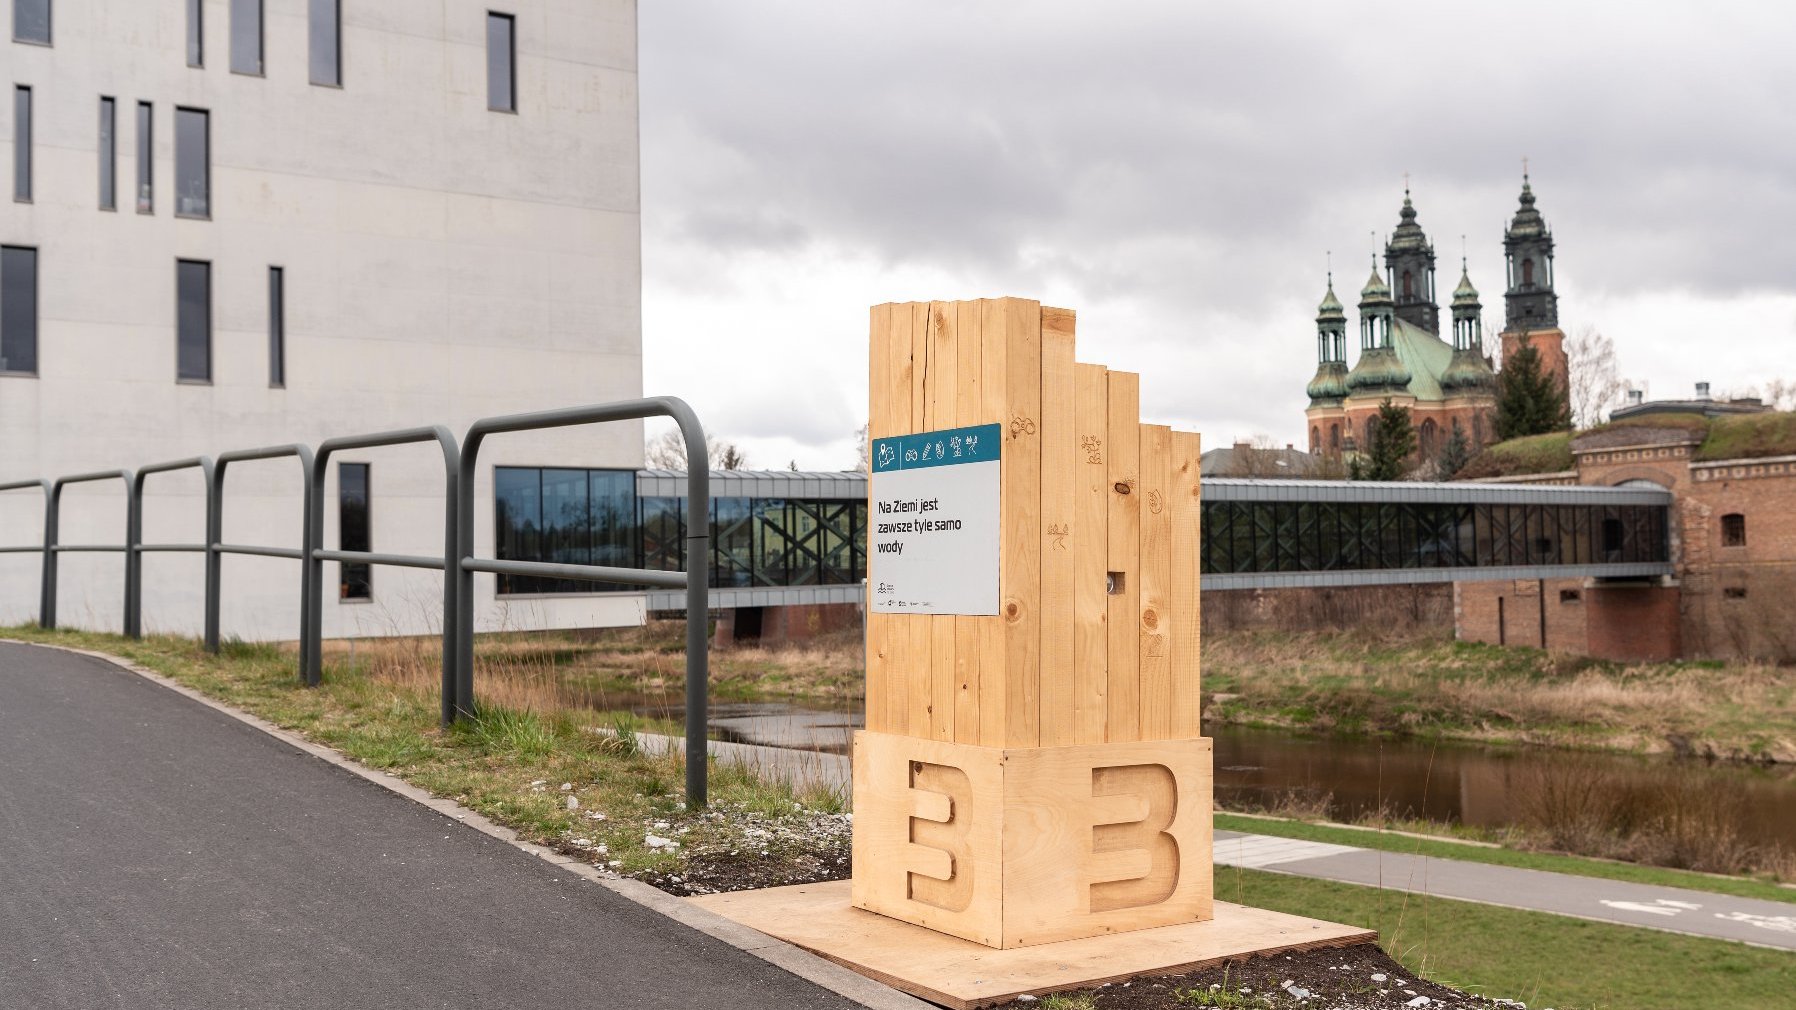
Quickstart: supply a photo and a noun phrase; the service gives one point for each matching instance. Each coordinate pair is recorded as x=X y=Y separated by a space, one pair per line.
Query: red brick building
x=1733 y=540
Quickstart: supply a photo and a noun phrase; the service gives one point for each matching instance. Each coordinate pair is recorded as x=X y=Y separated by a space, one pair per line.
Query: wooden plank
x=943 y=393
x=1059 y=445
x=887 y=415
x=921 y=627
x=1122 y=687
x=1091 y=644
x=994 y=408
x=1020 y=547
x=962 y=974
x=1187 y=484
x=969 y=410
x=897 y=402
x=1154 y=625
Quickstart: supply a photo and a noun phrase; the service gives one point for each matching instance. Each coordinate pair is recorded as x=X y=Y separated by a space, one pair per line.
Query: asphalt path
x=156 y=853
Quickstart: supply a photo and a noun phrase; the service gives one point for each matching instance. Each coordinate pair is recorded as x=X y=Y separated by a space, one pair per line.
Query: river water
x=1354 y=778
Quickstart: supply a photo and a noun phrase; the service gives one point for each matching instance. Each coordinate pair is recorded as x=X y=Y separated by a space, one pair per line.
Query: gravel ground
x=1362 y=977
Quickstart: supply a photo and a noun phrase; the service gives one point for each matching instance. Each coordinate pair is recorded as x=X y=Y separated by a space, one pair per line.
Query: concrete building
x=239 y=223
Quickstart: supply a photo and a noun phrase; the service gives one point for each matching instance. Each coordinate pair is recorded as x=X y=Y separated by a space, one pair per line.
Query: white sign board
x=933 y=541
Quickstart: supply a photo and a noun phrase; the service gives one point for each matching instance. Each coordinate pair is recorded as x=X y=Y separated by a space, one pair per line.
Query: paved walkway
x=1699 y=913
x=155 y=853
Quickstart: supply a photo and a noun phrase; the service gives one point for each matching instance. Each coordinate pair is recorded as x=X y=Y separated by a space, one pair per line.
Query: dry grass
x=1425 y=684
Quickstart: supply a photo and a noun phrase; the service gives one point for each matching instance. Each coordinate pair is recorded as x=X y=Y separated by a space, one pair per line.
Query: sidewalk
x=1698 y=913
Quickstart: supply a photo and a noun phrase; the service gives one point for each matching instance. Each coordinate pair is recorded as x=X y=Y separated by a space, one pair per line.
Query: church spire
x=1409 y=260
x=1530 y=302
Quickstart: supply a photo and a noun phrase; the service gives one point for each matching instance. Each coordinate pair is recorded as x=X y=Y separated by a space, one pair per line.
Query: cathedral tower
x=1409 y=261
x=1531 y=306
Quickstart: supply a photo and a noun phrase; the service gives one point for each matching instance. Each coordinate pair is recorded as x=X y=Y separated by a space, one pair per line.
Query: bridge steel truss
x=1262 y=534
x=458 y=563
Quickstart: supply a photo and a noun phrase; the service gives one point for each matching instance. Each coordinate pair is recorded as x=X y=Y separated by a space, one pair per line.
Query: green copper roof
x=1376 y=290
x=1330 y=384
x=1465 y=295
x=1414 y=363
x=1330 y=310
x=1469 y=371
x=1379 y=370
x=1528 y=223
x=1409 y=236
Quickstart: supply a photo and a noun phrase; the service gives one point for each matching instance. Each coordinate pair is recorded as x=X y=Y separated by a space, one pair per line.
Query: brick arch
x=1612 y=478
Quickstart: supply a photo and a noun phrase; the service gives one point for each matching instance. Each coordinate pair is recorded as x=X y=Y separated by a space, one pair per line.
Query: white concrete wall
x=443 y=263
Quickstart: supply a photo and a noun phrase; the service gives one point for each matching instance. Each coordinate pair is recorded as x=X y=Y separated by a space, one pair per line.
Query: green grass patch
x=1543 y=960
x=1548 y=453
x=1746 y=436
x=1551 y=862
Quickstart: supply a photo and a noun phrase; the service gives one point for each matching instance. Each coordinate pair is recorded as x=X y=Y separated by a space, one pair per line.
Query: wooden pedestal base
x=962 y=974
x=1033 y=845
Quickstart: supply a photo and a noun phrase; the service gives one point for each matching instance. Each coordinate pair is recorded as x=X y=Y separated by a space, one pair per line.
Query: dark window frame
x=351 y=573
x=108 y=144
x=206 y=152
x=336 y=41
x=277 y=327
x=196 y=33
x=24 y=115
x=261 y=12
x=145 y=196
x=194 y=380
x=1733 y=530
x=36 y=309
x=49 y=38
x=511 y=60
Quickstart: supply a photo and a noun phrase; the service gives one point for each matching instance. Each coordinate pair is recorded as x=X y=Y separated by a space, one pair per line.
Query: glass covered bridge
x=781 y=538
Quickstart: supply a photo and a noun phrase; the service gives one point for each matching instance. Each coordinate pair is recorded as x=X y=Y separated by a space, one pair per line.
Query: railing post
x=698 y=596
x=214 y=557
x=134 y=557
x=452 y=614
x=46 y=603
x=460 y=701
x=311 y=621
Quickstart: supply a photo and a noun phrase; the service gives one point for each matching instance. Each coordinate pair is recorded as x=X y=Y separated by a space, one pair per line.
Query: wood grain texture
x=1020 y=549
x=897 y=627
x=942 y=393
x=963 y=975
x=969 y=411
x=1059 y=444
x=1091 y=643
x=1187 y=485
x=888 y=369
x=1123 y=685
x=994 y=635
x=1155 y=621
x=921 y=651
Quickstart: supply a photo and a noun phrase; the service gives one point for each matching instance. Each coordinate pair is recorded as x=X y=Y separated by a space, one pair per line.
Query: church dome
x=1330 y=383
x=1376 y=290
x=1378 y=368
x=1331 y=309
x=1409 y=236
x=1465 y=296
x=1469 y=371
x=1527 y=223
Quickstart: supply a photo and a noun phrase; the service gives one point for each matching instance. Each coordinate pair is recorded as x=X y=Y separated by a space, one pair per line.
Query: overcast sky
x=1176 y=173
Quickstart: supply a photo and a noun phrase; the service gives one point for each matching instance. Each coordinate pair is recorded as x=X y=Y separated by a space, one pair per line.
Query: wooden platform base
x=962 y=974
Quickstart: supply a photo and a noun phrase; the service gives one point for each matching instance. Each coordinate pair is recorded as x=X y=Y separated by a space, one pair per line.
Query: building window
x=18 y=310
x=1570 y=596
x=1527 y=273
x=277 y=327
x=21 y=144
x=1429 y=435
x=355 y=579
x=193 y=163
x=1409 y=284
x=569 y=517
x=501 y=63
x=326 y=18
x=246 y=37
x=1733 y=530
x=1734 y=592
x=1612 y=539
x=146 y=165
x=108 y=154
x=31 y=21
x=196 y=33
x=193 y=321
x=1315 y=440
x=1334 y=439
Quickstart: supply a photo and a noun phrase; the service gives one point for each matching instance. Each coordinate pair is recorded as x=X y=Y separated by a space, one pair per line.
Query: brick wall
x=1630 y=622
x=1387 y=608
x=1739 y=599
x=1509 y=612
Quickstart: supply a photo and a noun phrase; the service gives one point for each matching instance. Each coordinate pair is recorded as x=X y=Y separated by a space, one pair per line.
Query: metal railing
x=458 y=563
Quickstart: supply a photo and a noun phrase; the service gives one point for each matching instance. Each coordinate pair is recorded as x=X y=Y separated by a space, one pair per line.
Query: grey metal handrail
x=698 y=555
x=312 y=628
x=52 y=549
x=136 y=548
x=215 y=550
x=44 y=486
x=458 y=564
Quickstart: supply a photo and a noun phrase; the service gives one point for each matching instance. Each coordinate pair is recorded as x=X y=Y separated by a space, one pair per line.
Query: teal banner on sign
x=979 y=444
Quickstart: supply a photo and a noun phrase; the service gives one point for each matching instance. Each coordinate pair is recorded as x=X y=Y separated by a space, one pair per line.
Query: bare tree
x=1261 y=457
x=667 y=451
x=861 y=439
x=1778 y=394
x=1595 y=381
